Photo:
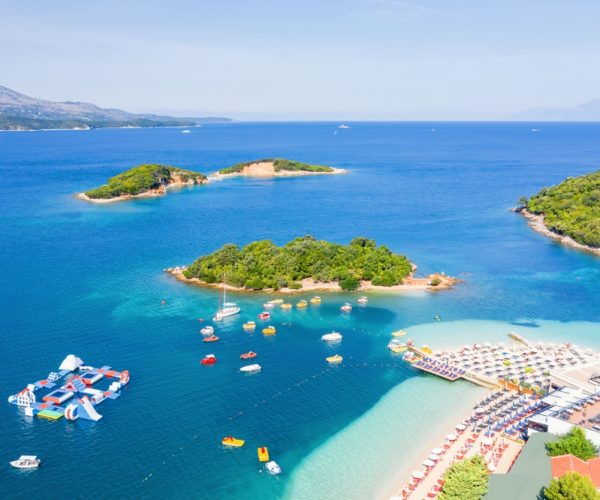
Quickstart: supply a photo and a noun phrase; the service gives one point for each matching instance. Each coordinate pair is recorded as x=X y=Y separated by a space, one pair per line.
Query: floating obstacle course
x=79 y=393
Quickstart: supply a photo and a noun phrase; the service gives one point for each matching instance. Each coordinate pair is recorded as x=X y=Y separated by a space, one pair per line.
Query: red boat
x=209 y=359
x=248 y=355
x=212 y=338
x=264 y=315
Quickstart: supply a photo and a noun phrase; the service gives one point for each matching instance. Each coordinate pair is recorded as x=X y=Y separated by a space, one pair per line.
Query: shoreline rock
x=536 y=222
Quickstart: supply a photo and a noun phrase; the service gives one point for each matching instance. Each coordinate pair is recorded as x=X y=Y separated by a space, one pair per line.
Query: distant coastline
x=536 y=222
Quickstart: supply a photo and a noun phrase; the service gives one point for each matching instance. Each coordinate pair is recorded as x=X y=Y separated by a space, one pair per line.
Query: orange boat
x=209 y=359
x=212 y=338
x=248 y=355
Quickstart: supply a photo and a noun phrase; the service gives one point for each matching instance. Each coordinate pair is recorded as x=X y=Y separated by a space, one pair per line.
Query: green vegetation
x=465 y=480
x=143 y=178
x=571 y=208
x=571 y=486
x=262 y=264
x=8 y=122
x=573 y=442
x=279 y=164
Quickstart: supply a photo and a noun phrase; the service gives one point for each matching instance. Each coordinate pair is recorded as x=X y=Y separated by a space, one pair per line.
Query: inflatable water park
x=73 y=392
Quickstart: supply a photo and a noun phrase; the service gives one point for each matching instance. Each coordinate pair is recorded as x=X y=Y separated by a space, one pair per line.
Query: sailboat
x=227 y=308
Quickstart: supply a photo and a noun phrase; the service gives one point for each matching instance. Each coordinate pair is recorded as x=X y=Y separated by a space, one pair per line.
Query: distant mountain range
x=589 y=111
x=21 y=112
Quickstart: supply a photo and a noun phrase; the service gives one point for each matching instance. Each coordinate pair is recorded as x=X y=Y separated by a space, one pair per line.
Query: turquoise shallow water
x=87 y=279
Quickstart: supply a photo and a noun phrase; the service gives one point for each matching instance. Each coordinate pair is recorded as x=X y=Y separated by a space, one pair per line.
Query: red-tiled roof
x=569 y=463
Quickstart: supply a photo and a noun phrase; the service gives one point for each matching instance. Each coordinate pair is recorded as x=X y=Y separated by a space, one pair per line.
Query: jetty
x=71 y=392
x=524 y=365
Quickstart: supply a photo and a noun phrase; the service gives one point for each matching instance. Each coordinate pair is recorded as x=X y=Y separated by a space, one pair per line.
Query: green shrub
x=573 y=442
x=465 y=480
x=349 y=284
x=571 y=486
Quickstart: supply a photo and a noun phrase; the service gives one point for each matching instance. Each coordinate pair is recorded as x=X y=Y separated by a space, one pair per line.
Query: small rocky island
x=306 y=264
x=275 y=167
x=143 y=181
x=568 y=212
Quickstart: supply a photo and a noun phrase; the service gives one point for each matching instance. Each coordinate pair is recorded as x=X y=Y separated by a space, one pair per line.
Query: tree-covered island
x=568 y=212
x=143 y=181
x=275 y=167
x=307 y=264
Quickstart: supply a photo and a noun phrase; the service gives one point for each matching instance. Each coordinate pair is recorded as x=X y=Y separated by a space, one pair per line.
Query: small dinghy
x=209 y=359
x=363 y=300
x=26 y=462
x=250 y=368
x=269 y=330
x=273 y=468
x=332 y=337
x=335 y=359
x=264 y=315
x=212 y=338
x=232 y=442
x=248 y=355
x=315 y=300
x=286 y=306
x=346 y=308
x=263 y=454
x=249 y=325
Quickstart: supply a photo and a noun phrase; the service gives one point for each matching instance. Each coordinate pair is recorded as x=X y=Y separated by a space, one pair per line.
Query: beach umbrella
x=428 y=463
x=451 y=437
x=418 y=474
x=487 y=442
x=433 y=457
x=437 y=451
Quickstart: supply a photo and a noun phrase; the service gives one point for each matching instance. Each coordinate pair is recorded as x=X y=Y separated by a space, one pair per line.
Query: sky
x=306 y=59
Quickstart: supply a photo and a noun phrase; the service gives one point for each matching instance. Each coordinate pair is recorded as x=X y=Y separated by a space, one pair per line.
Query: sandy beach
x=536 y=222
x=411 y=283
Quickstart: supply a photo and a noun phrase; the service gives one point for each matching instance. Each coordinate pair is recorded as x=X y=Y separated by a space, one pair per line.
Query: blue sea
x=88 y=279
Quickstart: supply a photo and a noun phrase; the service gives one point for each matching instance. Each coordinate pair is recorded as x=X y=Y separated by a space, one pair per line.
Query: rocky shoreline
x=536 y=222
x=411 y=283
x=152 y=193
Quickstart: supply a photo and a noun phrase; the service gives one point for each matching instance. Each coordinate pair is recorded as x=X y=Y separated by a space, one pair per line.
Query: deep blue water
x=87 y=279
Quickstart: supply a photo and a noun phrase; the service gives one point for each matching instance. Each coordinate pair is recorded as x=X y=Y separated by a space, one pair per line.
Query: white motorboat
x=207 y=330
x=343 y=126
x=186 y=131
x=332 y=337
x=251 y=368
x=26 y=462
x=363 y=300
x=346 y=307
x=273 y=467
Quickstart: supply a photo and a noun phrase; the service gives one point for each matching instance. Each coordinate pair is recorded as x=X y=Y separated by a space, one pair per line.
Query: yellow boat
x=315 y=300
x=249 y=325
x=426 y=349
x=334 y=359
x=269 y=330
x=276 y=301
x=233 y=442
x=398 y=348
x=302 y=304
x=286 y=306
x=263 y=454
x=398 y=333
